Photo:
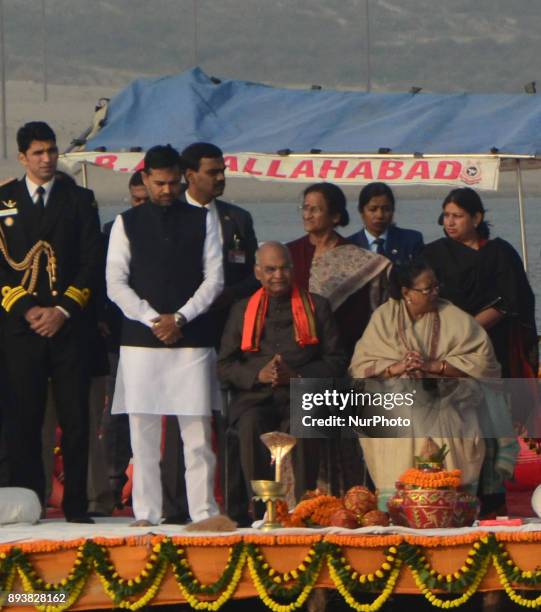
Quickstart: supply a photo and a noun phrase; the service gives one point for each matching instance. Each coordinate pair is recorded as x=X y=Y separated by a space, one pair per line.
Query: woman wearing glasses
x=353 y=280
x=324 y=262
x=415 y=334
x=485 y=277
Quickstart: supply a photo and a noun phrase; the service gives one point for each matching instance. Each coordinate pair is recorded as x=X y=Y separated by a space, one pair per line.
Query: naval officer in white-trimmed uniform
x=164 y=269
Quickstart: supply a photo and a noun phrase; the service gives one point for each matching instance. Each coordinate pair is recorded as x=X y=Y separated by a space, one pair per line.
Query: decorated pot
x=395 y=508
x=429 y=508
x=432 y=508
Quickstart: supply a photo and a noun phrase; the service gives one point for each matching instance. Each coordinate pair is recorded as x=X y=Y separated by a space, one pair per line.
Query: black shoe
x=83 y=518
x=243 y=521
x=177 y=519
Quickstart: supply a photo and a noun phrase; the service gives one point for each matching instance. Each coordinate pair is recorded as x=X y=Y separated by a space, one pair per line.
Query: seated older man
x=280 y=332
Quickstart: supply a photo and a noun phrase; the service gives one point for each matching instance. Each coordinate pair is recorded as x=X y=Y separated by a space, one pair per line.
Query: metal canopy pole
x=521 y=215
x=44 y=49
x=3 y=81
x=367 y=45
x=195 y=34
x=85 y=175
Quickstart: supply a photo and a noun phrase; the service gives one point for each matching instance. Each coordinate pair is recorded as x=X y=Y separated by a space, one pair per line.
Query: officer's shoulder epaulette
x=7 y=184
x=8 y=181
x=8 y=193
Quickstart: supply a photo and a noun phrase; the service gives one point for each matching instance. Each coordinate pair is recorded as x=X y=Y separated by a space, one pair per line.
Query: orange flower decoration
x=432 y=480
x=282 y=511
x=318 y=510
x=323 y=513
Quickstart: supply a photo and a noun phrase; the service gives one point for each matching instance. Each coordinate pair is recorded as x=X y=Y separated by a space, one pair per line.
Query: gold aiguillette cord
x=30 y=263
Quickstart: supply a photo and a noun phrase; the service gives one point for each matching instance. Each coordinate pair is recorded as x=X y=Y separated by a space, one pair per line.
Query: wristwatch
x=180 y=319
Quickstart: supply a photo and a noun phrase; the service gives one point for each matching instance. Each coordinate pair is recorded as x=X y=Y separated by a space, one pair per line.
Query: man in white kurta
x=156 y=377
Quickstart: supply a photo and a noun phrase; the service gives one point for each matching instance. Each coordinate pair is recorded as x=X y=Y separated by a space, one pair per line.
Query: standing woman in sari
x=485 y=277
x=353 y=280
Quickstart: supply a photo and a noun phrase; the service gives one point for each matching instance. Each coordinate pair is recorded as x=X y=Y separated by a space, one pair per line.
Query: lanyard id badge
x=236 y=254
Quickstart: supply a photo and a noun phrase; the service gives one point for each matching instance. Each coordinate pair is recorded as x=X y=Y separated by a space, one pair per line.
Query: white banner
x=479 y=172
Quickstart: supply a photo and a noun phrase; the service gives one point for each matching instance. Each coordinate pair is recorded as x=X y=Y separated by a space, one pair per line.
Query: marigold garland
x=286 y=591
x=372 y=581
x=323 y=513
x=283 y=540
x=217 y=540
x=364 y=541
x=227 y=594
x=518 y=536
x=287 y=585
x=282 y=511
x=511 y=592
x=45 y=546
x=437 y=541
x=459 y=601
x=55 y=546
x=348 y=596
x=272 y=586
x=445 y=479
x=427 y=579
x=316 y=510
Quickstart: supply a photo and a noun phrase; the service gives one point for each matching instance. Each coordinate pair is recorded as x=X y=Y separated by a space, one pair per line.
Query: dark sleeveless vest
x=166 y=267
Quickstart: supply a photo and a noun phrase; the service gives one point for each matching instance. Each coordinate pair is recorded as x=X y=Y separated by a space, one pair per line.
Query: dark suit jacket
x=106 y=232
x=238 y=232
x=401 y=244
x=70 y=223
x=239 y=369
x=238 y=235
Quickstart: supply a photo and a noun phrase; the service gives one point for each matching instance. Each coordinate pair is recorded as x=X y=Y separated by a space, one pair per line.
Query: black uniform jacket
x=70 y=224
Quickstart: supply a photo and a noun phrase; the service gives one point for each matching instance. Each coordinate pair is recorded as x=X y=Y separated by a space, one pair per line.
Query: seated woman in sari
x=418 y=335
x=353 y=280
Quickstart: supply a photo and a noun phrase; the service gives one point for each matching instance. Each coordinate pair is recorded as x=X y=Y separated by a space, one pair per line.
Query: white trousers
x=145 y=432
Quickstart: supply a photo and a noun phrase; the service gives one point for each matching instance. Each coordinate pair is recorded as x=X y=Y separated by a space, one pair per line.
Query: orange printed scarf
x=256 y=312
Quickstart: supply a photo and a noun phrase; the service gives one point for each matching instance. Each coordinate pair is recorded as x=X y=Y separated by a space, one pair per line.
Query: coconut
x=360 y=500
x=375 y=517
x=344 y=518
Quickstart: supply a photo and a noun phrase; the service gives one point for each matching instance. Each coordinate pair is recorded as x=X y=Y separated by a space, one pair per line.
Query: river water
x=281 y=221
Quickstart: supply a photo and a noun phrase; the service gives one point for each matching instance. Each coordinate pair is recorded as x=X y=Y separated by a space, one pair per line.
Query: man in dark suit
x=204 y=170
x=278 y=334
x=380 y=235
x=50 y=263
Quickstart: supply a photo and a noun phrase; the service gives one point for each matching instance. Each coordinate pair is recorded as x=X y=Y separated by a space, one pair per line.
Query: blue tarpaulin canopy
x=244 y=116
x=343 y=136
